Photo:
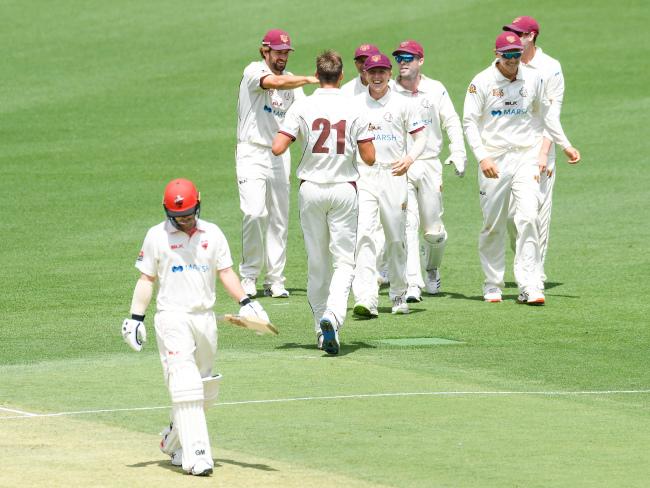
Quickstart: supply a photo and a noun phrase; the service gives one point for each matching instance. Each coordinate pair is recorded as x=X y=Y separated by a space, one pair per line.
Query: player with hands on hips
x=331 y=131
x=425 y=208
x=185 y=255
x=503 y=106
x=266 y=92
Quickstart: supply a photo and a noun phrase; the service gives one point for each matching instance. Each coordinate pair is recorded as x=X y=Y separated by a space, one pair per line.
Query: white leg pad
x=189 y=418
x=211 y=390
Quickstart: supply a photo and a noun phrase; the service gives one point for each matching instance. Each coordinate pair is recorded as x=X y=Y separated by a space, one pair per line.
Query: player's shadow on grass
x=345 y=348
x=165 y=464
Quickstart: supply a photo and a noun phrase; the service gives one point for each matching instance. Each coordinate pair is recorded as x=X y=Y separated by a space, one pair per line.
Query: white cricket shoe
x=400 y=306
x=362 y=310
x=201 y=468
x=276 y=290
x=531 y=297
x=177 y=457
x=413 y=294
x=319 y=340
x=249 y=286
x=432 y=281
x=329 y=326
x=493 y=295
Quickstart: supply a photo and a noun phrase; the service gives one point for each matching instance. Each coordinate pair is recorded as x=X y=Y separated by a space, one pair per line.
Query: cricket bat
x=249 y=322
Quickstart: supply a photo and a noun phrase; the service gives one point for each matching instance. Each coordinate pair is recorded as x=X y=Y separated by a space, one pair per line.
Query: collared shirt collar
x=538 y=54
x=327 y=91
x=200 y=226
x=498 y=76
x=422 y=86
x=383 y=100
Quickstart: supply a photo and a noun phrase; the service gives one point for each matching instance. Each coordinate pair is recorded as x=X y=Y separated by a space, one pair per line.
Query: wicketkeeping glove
x=254 y=309
x=134 y=333
x=459 y=161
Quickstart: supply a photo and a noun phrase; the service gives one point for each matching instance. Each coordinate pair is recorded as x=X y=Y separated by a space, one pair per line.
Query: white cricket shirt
x=260 y=111
x=389 y=119
x=186 y=267
x=499 y=115
x=329 y=127
x=437 y=112
x=354 y=87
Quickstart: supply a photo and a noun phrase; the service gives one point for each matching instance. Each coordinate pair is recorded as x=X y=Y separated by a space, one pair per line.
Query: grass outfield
x=103 y=103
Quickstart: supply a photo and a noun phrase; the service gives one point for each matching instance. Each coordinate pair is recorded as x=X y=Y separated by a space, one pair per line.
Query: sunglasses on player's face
x=511 y=55
x=404 y=58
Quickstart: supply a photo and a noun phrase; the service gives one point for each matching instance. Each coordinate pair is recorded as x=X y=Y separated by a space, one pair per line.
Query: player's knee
x=436 y=236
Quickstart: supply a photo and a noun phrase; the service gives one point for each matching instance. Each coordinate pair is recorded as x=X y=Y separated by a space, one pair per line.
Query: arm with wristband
x=133 y=330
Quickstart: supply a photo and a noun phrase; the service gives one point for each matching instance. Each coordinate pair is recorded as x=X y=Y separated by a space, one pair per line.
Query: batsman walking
x=185 y=255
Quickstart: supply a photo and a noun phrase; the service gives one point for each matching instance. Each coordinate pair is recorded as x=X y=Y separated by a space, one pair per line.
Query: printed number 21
x=324 y=126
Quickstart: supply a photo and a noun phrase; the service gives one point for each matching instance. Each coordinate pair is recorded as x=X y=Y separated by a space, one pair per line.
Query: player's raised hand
x=134 y=333
x=573 y=154
x=489 y=168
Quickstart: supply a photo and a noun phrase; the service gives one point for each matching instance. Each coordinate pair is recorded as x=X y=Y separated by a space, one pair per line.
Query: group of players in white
x=370 y=180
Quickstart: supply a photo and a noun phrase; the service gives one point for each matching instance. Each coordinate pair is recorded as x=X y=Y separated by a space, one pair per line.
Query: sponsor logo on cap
x=510 y=38
x=364 y=47
x=404 y=44
x=376 y=57
x=284 y=38
x=178 y=200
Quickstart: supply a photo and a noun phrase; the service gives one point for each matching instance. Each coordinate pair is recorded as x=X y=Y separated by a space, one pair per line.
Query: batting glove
x=459 y=161
x=254 y=309
x=134 y=333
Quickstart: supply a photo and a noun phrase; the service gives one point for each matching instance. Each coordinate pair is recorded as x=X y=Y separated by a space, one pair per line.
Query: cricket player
x=425 y=207
x=266 y=92
x=550 y=70
x=383 y=187
x=501 y=107
x=355 y=87
x=359 y=85
x=185 y=255
x=331 y=132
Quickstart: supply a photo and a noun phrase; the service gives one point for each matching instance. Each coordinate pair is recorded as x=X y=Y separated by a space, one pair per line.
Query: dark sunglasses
x=404 y=58
x=511 y=55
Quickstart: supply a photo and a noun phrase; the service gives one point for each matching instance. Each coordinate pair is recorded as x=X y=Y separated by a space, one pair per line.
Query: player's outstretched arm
x=287 y=82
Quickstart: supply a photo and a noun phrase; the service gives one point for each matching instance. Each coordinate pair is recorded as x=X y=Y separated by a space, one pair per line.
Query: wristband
x=139 y=318
x=245 y=301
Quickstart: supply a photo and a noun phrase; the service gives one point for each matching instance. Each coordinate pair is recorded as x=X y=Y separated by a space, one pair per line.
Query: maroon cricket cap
x=277 y=40
x=411 y=47
x=365 y=50
x=508 y=41
x=522 y=24
x=377 y=61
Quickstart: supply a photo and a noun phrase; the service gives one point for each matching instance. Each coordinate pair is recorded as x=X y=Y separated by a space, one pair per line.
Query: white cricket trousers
x=187 y=344
x=516 y=183
x=263 y=181
x=382 y=197
x=546 y=184
x=328 y=217
x=424 y=211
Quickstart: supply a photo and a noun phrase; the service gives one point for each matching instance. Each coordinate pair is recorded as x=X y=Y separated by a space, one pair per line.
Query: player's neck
x=507 y=74
x=529 y=53
x=409 y=84
x=377 y=95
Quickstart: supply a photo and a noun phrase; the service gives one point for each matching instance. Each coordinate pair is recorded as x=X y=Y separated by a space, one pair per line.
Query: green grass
x=103 y=103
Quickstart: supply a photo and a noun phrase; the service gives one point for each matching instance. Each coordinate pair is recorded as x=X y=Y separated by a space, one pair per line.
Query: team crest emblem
x=365 y=47
x=284 y=38
x=178 y=200
x=497 y=92
x=204 y=244
x=388 y=117
x=516 y=20
x=426 y=103
x=472 y=88
x=511 y=38
x=404 y=44
x=523 y=92
x=376 y=58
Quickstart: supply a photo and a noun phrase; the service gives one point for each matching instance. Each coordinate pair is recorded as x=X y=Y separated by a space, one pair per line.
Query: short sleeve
x=147 y=260
x=254 y=74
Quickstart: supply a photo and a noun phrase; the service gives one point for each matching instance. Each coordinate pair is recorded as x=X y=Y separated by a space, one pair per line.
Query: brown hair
x=329 y=67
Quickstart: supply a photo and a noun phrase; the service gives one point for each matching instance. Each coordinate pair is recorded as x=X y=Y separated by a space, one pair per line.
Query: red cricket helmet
x=181 y=198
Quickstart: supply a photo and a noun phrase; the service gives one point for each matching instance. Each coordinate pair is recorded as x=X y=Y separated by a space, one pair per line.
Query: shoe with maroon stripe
x=531 y=297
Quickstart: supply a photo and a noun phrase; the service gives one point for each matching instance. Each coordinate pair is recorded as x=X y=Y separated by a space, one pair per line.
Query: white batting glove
x=134 y=333
x=459 y=161
x=254 y=309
